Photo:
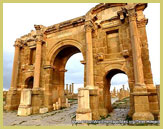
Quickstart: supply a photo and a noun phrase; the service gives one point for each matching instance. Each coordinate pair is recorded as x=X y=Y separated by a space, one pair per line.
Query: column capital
x=39 y=39
x=132 y=14
x=88 y=26
x=18 y=43
x=131 y=11
x=142 y=23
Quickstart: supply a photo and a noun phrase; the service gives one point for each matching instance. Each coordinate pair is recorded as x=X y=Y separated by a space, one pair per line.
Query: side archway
x=29 y=82
x=110 y=71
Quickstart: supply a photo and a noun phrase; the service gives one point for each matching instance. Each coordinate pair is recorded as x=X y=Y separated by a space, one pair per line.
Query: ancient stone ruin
x=112 y=39
x=120 y=94
x=69 y=92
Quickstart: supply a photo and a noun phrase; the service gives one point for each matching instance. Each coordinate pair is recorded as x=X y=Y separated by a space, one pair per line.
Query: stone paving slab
x=57 y=118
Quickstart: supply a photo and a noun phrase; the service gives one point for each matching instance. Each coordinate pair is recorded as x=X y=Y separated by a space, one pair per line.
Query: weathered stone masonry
x=112 y=39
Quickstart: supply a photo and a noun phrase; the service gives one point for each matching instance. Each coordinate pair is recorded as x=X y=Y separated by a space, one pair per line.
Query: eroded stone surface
x=112 y=39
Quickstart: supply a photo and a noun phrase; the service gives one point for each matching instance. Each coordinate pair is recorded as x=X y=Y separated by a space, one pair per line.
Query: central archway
x=60 y=58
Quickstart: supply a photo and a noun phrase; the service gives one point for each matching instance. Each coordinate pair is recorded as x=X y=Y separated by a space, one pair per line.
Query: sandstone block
x=54 y=106
x=24 y=111
x=85 y=116
x=43 y=110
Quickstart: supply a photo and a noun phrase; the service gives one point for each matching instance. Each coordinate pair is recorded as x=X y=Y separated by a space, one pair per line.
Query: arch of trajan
x=112 y=39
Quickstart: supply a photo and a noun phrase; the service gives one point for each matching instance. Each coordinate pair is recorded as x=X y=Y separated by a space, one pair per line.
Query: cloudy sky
x=19 y=19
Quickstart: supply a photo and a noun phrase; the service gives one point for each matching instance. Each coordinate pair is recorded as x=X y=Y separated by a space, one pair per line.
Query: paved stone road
x=58 y=117
x=55 y=118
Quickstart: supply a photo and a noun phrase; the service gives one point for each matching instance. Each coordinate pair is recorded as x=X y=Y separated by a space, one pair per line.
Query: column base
x=141 y=103
x=153 y=101
x=142 y=116
x=48 y=100
x=94 y=103
x=37 y=100
x=83 y=114
x=24 y=111
x=103 y=112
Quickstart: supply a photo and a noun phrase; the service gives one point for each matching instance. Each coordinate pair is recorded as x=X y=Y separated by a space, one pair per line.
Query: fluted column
x=15 y=66
x=135 y=43
x=141 y=101
x=89 y=55
x=37 y=65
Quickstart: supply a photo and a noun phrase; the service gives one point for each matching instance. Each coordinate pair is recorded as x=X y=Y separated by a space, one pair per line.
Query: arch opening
x=116 y=91
x=63 y=57
x=29 y=82
x=75 y=73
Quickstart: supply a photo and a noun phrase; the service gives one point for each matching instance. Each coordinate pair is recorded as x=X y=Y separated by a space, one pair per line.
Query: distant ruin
x=120 y=94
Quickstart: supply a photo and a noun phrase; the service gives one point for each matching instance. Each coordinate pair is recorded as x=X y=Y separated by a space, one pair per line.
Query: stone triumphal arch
x=112 y=39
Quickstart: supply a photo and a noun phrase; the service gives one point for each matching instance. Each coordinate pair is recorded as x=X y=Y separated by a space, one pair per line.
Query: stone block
x=57 y=106
x=24 y=111
x=25 y=97
x=54 y=106
x=43 y=110
x=85 y=116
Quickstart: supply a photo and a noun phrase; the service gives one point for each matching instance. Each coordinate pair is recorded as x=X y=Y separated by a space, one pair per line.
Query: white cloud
x=19 y=19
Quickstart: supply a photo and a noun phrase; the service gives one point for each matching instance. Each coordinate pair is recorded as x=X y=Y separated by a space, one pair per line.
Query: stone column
x=148 y=79
x=89 y=55
x=37 y=69
x=15 y=66
x=66 y=89
x=123 y=87
x=13 y=95
x=141 y=101
x=72 y=88
x=135 y=43
x=37 y=93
